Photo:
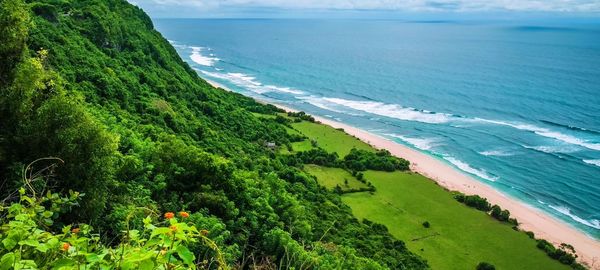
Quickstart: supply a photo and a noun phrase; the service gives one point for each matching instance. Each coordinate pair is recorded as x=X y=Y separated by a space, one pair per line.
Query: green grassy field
x=302 y=146
x=330 y=177
x=459 y=237
x=331 y=139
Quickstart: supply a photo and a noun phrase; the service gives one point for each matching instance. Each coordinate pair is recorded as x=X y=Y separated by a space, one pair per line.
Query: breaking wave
x=200 y=59
x=592 y=161
x=496 y=153
x=594 y=223
x=467 y=168
x=250 y=83
x=423 y=144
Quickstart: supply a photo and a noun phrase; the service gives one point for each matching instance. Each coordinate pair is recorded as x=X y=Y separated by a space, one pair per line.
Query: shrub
x=426 y=224
x=485 y=266
x=360 y=160
x=29 y=243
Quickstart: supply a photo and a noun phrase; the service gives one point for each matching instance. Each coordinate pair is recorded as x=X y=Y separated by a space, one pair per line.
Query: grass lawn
x=260 y=115
x=302 y=146
x=459 y=237
x=331 y=139
x=330 y=177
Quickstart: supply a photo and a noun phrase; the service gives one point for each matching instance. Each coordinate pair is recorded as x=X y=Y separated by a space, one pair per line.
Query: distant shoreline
x=530 y=219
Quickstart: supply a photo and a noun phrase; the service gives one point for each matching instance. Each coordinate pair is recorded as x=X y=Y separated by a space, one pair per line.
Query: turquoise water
x=515 y=106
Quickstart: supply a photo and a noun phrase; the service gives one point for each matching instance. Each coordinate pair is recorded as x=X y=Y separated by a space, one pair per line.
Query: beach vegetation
x=485 y=266
x=361 y=160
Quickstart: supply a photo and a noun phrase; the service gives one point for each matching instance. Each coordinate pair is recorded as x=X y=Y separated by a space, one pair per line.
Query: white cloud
x=407 y=5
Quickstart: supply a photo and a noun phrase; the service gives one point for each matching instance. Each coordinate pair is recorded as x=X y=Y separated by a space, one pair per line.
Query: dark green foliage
x=301 y=116
x=530 y=234
x=499 y=214
x=14 y=26
x=361 y=160
x=318 y=156
x=564 y=254
x=426 y=224
x=485 y=266
x=474 y=201
x=136 y=127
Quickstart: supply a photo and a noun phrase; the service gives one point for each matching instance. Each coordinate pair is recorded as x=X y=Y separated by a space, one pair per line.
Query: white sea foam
x=250 y=83
x=496 y=153
x=421 y=143
x=546 y=133
x=200 y=59
x=392 y=110
x=592 y=161
x=320 y=103
x=594 y=223
x=551 y=149
x=467 y=168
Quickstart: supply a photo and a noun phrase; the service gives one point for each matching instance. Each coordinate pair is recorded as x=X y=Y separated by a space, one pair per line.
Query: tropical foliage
x=139 y=133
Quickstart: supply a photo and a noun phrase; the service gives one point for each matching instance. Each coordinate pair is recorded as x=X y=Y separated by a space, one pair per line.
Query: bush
x=301 y=116
x=29 y=244
x=361 y=160
x=485 y=266
x=426 y=224
x=477 y=202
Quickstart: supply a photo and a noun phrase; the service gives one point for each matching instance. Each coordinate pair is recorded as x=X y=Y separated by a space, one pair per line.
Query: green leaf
x=185 y=254
x=146 y=265
x=29 y=242
x=9 y=243
x=47 y=214
x=64 y=262
x=161 y=230
x=42 y=248
x=7 y=261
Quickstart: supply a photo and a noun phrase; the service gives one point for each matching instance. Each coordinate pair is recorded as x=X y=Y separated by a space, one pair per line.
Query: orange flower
x=169 y=215
x=75 y=230
x=65 y=247
x=173 y=228
x=184 y=214
x=204 y=232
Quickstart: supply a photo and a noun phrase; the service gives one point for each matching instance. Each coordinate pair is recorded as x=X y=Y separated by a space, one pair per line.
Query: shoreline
x=532 y=219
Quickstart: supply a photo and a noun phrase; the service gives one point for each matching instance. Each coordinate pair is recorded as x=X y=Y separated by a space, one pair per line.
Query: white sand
x=530 y=219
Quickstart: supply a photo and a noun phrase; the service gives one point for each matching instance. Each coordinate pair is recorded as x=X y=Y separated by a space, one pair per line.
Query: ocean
x=515 y=105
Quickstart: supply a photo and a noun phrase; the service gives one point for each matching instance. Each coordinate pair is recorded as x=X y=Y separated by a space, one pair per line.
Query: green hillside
x=140 y=134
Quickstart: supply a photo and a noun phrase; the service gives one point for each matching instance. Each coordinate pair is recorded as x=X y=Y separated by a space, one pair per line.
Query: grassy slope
x=403 y=201
x=330 y=177
x=331 y=139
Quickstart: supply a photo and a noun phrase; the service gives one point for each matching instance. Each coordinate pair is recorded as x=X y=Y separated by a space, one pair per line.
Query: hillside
x=134 y=129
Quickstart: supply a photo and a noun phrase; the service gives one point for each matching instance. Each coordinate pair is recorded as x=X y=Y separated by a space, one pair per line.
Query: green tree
x=14 y=25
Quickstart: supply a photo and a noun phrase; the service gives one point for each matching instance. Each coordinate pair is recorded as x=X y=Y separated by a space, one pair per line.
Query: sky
x=368 y=8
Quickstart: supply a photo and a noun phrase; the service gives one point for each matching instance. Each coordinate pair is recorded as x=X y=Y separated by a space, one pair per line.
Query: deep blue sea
x=517 y=106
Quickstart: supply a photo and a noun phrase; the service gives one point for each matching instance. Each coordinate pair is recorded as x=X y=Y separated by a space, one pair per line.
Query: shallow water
x=515 y=106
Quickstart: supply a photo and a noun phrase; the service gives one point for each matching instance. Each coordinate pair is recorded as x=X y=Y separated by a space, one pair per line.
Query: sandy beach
x=530 y=219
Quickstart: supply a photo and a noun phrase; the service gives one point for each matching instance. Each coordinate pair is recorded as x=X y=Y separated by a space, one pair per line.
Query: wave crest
x=203 y=60
x=250 y=83
x=496 y=153
x=392 y=110
x=594 y=223
x=592 y=161
x=423 y=144
x=467 y=168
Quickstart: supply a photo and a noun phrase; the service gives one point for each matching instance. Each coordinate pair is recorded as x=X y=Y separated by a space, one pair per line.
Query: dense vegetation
x=92 y=83
x=565 y=254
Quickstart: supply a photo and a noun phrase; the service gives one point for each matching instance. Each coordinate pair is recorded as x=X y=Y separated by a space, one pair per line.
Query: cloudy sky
x=300 y=8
